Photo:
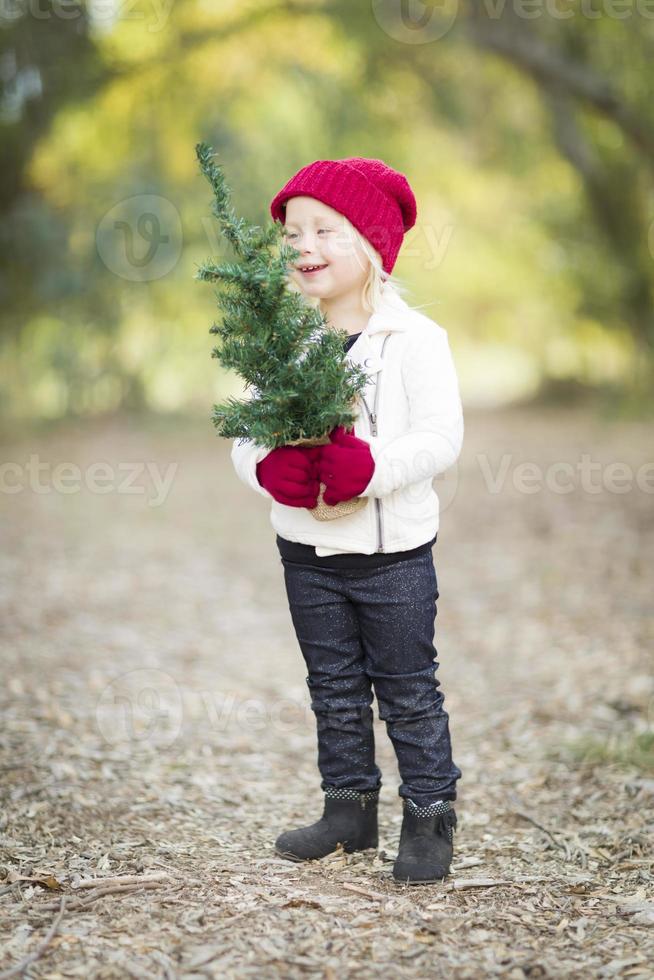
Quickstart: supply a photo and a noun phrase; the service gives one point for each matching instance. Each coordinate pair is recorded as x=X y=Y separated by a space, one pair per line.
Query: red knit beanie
x=375 y=198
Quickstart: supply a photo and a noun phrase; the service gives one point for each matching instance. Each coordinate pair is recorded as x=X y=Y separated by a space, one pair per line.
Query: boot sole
x=406 y=880
x=289 y=856
x=418 y=881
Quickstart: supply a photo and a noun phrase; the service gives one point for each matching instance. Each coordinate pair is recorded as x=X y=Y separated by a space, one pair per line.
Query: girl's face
x=322 y=237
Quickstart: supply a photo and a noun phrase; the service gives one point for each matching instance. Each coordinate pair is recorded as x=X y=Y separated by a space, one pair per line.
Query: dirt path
x=156 y=720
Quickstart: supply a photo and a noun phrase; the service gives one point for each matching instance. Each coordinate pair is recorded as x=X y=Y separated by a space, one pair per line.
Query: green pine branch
x=300 y=383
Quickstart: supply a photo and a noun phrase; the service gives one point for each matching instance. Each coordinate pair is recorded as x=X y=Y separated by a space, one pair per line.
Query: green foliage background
x=529 y=142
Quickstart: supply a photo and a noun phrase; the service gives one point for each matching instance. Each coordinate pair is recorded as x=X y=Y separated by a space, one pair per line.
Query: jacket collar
x=390 y=316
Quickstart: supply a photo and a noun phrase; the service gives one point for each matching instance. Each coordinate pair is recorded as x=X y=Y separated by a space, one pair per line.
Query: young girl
x=362 y=588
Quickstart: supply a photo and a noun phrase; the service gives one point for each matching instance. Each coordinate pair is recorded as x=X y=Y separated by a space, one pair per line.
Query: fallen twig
x=120 y=880
x=376 y=896
x=525 y=816
x=82 y=903
x=118 y=890
x=24 y=963
x=480 y=883
x=7 y=888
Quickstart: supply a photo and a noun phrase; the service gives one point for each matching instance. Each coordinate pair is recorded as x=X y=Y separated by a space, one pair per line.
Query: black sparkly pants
x=360 y=629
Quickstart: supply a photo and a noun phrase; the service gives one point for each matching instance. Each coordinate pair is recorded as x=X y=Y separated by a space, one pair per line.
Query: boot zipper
x=372 y=416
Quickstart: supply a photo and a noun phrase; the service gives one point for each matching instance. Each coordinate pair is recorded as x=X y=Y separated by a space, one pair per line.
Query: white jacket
x=411 y=416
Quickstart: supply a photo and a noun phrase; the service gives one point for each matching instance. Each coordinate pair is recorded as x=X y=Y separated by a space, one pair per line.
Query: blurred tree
x=594 y=74
x=529 y=139
x=48 y=60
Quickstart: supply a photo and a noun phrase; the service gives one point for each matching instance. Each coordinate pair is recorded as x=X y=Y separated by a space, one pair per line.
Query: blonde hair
x=379 y=283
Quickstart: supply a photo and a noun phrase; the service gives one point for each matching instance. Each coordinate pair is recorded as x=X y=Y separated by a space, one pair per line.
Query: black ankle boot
x=426 y=843
x=349 y=818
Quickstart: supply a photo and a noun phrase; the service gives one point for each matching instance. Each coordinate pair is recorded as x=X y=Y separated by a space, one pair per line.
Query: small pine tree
x=279 y=344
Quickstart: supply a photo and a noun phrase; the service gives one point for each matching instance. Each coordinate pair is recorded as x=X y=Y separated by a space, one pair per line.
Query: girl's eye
x=293 y=235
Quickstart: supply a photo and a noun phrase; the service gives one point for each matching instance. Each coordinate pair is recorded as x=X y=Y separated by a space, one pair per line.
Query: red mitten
x=290 y=474
x=346 y=466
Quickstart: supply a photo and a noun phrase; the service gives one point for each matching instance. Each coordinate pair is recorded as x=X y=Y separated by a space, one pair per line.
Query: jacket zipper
x=372 y=417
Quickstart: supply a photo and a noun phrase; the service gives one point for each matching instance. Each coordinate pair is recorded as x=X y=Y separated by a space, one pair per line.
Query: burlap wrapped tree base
x=323 y=511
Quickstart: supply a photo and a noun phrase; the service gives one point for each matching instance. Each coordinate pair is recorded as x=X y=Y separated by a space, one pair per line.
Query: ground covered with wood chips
x=156 y=732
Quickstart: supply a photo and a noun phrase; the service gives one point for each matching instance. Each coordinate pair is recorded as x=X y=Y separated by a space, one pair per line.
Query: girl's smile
x=309 y=271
